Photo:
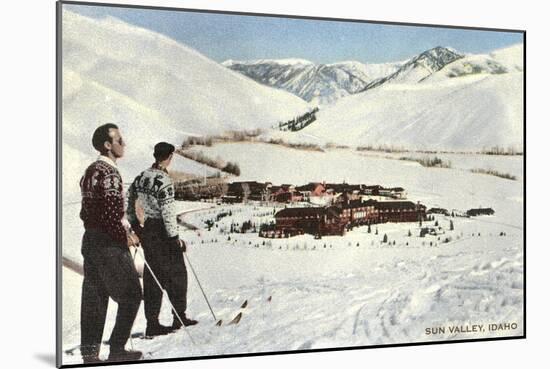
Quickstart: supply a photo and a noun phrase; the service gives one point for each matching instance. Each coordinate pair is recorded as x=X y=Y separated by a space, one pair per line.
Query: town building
x=334 y=220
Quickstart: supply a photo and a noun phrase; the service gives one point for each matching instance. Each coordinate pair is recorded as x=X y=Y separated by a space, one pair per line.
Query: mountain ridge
x=316 y=83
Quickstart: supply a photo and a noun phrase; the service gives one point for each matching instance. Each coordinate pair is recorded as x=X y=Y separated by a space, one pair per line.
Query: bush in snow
x=232 y=168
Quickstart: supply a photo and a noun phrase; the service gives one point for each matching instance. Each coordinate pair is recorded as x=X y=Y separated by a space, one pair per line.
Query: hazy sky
x=228 y=36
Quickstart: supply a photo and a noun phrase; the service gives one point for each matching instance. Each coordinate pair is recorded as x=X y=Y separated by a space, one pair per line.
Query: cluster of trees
x=190 y=141
x=223 y=215
x=228 y=136
x=429 y=162
x=300 y=122
x=382 y=148
x=239 y=136
x=298 y=146
x=495 y=173
x=200 y=157
x=498 y=150
x=332 y=145
x=267 y=226
x=245 y=227
x=229 y=167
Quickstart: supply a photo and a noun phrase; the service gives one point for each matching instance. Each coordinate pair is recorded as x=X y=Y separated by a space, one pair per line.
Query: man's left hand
x=183 y=246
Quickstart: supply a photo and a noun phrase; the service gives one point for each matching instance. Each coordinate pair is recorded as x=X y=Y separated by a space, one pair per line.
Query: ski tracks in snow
x=445 y=291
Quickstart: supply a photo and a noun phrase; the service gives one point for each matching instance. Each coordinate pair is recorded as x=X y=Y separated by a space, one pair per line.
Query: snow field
x=342 y=295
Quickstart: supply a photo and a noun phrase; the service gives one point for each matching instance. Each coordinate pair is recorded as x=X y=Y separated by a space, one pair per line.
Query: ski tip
x=237 y=319
x=245 y=304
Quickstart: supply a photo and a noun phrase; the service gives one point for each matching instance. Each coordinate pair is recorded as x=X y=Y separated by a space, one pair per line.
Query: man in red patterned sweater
x=109 y=270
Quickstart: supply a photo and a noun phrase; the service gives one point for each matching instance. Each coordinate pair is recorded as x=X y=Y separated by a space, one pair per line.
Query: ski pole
x=199 y=283
x=167 y=297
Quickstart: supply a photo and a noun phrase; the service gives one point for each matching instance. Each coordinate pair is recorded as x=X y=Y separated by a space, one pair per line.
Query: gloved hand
x=183 y=246
x=137 y=228
x=177 y=244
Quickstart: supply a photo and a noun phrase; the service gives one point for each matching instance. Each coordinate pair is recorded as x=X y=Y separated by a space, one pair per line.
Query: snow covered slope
x=316 y=83
x=155 y=89
x=467 y=113
x=511 y=57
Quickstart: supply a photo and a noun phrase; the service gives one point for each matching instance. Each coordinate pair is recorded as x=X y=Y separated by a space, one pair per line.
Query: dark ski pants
x=109 y=271
x=165 y=258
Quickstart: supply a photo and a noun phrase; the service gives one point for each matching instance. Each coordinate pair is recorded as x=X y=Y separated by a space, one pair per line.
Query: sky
x=229 y=36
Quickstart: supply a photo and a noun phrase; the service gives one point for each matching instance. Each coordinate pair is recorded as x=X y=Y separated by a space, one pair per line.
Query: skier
x=109 y=270
x=160 y=240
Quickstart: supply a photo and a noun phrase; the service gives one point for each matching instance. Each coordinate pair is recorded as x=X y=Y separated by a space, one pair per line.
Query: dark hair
x=101 y=134
x=163 y=150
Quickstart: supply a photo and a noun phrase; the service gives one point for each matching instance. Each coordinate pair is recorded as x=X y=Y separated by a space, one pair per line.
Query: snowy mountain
x=419 y=67
x=316 y=83
x=370 y=72
x=155 y=89
x=438 y=100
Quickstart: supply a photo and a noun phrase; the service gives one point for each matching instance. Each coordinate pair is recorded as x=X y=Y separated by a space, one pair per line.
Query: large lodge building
x=336 y=219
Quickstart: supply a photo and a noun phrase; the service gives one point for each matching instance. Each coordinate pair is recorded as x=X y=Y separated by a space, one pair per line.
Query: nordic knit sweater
x=103 y=200
x=155 y=191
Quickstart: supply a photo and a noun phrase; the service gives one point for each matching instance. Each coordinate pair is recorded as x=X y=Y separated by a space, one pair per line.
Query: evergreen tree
x=409 y=234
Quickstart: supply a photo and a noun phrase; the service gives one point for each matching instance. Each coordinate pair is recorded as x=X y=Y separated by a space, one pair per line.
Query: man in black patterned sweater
x=109 y=270
x=160 y=240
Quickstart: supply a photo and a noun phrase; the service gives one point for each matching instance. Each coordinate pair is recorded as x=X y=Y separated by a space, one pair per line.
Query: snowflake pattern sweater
x=103 y=200
x=155 y=191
